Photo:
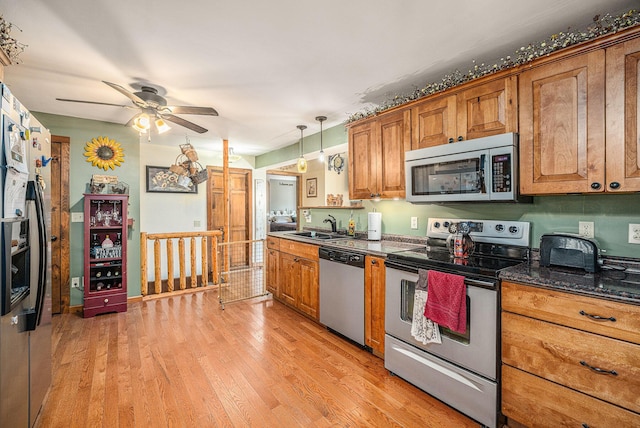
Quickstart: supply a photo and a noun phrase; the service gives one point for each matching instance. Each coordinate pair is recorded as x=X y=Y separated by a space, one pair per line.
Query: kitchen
x=549 y=213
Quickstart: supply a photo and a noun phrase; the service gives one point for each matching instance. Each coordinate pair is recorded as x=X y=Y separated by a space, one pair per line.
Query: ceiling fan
x=153 y=108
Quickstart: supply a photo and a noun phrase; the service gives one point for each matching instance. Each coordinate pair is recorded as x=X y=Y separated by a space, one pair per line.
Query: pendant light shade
x=302 y=162
x=321 y=119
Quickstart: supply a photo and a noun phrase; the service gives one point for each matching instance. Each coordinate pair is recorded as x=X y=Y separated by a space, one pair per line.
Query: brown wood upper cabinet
x=623 y=105
x=562 y=126
x=579 y=123
x=479 y=111
x=376 y=156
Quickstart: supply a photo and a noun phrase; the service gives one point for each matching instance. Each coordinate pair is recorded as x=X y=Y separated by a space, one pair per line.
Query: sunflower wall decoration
x=104 y=153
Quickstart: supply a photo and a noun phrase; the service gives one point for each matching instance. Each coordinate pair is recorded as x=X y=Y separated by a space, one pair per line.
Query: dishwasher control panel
x=340 y=256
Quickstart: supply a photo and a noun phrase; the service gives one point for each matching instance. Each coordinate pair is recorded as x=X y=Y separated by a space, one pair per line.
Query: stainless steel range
x=463 y=370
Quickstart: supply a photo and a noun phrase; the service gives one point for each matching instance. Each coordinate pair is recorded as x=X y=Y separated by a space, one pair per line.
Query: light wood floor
x=183 y=362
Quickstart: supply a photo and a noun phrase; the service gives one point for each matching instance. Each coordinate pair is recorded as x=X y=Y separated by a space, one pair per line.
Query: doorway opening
x=284 y=195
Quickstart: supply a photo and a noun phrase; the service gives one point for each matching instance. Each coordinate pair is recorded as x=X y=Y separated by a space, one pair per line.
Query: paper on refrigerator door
x=15 y=148
x=15 y=193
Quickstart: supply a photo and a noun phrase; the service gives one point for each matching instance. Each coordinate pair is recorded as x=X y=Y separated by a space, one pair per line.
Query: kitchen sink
x=318 y=235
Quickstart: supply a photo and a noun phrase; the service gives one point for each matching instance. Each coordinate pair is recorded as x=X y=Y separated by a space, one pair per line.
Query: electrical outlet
x=75 y=282
x=77 y=217
x=196 y=223
x=586 y=229
x=634 y=233
x=414 y=222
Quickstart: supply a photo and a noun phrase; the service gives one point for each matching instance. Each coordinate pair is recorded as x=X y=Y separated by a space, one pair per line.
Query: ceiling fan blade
x=94 y=102
x=191 y=110
x=126 y=93
x=182 y=122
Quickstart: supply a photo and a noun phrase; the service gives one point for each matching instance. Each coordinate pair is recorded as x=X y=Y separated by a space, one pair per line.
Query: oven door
x=475 y=351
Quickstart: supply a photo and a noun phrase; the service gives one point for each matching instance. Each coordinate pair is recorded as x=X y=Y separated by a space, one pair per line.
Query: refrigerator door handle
x=35 y=193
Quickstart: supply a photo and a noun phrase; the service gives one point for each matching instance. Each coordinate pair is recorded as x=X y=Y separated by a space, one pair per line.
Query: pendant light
x=321 y=119
x=302 y=162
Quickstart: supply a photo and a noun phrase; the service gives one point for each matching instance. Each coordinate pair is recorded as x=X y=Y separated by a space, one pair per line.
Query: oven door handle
x=478 y=283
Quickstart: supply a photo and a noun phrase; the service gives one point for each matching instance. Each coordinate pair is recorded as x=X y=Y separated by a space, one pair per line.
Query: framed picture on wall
x=312 y=187
x=161 y=180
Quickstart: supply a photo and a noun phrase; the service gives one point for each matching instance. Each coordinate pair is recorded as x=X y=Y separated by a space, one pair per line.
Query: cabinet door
x=289 y=278
x=309 y=294
x=374 y=298
x=395 y=139
x=433 y=122
x=562 y=126
x=488 y=109
x=623 y=106
x=363 y=152
x=273 y=269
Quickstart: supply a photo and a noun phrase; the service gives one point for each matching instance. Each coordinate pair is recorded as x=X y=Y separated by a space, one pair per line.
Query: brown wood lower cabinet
x=374 y=304
x=295 y=279
x=568 y=360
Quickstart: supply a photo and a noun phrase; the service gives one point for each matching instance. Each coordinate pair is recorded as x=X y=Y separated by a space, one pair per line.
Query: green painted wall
x=81 y=131
x=611 y=215
x=330 y=137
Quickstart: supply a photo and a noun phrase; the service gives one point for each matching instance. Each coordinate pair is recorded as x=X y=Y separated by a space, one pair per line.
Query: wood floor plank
x=182 y=361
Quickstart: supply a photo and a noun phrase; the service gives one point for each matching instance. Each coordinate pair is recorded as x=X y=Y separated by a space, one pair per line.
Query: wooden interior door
x=240 y=211
x=60 y=253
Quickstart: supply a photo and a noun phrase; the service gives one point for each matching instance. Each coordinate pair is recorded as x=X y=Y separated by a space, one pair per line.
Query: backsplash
x=611 y=215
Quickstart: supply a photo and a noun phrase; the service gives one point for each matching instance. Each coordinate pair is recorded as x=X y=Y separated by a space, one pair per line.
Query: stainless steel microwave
x=482 y=170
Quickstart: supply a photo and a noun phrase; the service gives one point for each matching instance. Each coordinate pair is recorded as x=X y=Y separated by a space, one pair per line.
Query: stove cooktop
x=498 y=245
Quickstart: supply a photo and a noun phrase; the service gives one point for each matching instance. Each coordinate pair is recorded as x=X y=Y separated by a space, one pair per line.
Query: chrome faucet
x=331 y=220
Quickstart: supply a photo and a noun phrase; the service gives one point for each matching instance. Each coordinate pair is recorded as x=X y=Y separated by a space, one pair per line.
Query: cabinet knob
x=373 y=262
x=451 y=140
x=614 y=185
x=595 y=186
x=106 y=301
x=460 y=138
x=54 y=238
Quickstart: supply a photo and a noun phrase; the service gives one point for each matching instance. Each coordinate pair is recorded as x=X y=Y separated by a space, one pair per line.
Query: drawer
x=273 y=243
x=617 y=320
x=105 y=299
x=307 y=251
x=557 y=353
x=536 y=402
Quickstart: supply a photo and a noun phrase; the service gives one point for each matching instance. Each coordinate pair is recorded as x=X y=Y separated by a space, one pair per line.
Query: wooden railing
x=208 y=253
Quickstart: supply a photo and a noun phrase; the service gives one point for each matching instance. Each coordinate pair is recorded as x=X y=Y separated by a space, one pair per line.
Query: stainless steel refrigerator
x=25 y=264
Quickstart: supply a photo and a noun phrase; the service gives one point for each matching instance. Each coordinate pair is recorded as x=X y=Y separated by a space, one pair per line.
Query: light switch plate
x=414 y=222
x=77 y=217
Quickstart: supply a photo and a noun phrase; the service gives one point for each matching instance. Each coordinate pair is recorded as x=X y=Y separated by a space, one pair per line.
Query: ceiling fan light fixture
x=161 y=125
x=302 y=162
x=232 y=156
x=142 y=123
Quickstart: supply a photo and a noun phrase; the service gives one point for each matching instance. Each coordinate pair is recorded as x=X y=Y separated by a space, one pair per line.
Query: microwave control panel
x=501 y=168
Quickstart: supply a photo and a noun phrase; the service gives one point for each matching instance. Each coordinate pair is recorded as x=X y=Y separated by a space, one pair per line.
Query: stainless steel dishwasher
x=342 y=292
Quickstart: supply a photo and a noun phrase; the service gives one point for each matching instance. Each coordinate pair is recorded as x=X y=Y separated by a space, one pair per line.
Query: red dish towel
x=447 y=301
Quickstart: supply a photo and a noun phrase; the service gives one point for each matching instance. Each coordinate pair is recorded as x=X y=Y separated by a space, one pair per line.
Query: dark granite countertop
x=376 y=248
x=622 y=286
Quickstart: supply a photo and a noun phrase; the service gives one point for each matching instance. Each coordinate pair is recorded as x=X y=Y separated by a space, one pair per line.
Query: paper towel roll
x=375 y=226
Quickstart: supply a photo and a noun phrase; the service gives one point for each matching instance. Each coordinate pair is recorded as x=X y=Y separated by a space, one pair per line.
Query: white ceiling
x=265 y=66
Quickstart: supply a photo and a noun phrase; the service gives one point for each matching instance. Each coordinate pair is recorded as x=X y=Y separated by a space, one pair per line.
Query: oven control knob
x=436 y=225
x=499 y=227
x=446 y=224
x=513 y=229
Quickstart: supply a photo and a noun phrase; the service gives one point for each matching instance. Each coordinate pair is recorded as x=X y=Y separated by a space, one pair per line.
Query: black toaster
x=566 y=250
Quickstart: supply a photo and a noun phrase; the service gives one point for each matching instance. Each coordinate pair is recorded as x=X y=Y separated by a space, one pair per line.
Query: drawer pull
x=585 y=425
x=597 y=317
x=599 y=370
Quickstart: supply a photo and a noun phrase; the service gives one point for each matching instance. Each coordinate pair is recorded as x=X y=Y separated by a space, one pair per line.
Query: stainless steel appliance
x=342 y=292
x=462 y=371
x=25 y=263
x=484 y=169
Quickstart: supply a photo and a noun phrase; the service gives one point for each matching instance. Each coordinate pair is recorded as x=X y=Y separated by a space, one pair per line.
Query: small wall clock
x=336 y=162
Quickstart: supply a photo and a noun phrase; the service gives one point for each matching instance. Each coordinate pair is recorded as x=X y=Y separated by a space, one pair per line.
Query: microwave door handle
x=481 y=171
